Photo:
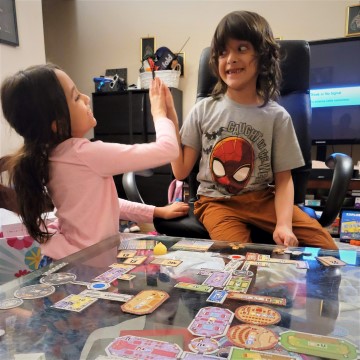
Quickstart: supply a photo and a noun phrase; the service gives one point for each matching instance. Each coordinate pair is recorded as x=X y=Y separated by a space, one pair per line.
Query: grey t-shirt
x=241 y=146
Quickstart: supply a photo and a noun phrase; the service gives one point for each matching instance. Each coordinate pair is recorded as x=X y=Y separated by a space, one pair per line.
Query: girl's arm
x=143 y=213
x=284 y=202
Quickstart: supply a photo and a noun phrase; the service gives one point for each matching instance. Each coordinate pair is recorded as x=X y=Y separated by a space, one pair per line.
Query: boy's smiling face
x=81 y=116
x=238 y=68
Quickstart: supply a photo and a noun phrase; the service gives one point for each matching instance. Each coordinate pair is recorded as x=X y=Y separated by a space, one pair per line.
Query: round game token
x=204 y=345
x=34 y=291
x=257 y=314
x=99 y=286
x=58 y=278
x=236 y=257
x=247 y=273
x=10 y=303
x=252 y=337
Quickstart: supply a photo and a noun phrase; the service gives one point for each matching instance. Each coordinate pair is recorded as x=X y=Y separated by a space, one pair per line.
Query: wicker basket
x=169 y=77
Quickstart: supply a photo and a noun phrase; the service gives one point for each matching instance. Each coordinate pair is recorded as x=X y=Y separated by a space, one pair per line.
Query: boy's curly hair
x=249 y=26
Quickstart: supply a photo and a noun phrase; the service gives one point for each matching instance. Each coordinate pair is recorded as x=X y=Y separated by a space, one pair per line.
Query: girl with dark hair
x=246 y=141
x=56 y=162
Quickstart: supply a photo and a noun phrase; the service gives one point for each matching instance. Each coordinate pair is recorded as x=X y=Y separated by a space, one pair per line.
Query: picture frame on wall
x=353 y=20
x=147 y=47
x=8 y=23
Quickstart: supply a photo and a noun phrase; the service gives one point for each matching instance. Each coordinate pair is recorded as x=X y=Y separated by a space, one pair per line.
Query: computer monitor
x=335 y=91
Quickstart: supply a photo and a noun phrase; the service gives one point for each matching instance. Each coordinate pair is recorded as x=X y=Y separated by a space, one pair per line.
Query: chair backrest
x=294 y=97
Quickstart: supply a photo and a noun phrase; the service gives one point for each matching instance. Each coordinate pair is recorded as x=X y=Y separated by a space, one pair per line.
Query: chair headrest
x=295 y=62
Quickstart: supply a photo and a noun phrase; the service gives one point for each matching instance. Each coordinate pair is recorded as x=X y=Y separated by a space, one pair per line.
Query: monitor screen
x=335 y=91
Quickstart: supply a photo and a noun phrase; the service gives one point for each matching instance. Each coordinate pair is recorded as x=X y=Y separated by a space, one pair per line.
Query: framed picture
x=181 y=60
x=147 y=47
x=8 y=24
x=353 y=20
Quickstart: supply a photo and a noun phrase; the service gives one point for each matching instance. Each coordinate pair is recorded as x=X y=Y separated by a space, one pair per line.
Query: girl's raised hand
x=157 y=96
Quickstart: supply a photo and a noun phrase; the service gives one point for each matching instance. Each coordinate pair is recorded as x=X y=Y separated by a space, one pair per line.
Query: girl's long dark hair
x=249 y=26
x=32 y=101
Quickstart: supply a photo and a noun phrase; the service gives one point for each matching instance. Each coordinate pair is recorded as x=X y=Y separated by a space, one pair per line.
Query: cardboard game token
x=318 y=345
x=203 y=345
x=10 y=303
x=34 y=291
x=252 y=337
x=99 y=286
x=145 y=302
x=58 y=278
x=236 y=257
x=133 y=347
x=257 y=314
x=211 y=321
x=257 y=298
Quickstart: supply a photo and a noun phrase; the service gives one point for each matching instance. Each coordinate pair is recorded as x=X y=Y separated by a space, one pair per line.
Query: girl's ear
x=54 y=127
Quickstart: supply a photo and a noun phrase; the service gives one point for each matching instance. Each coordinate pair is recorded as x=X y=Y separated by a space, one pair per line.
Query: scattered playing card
x=75 y=303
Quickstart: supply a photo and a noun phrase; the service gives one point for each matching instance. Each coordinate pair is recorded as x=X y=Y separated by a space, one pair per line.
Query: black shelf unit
x=125 y=117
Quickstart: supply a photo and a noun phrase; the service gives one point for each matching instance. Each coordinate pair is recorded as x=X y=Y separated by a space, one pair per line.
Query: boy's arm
x=182 y=166
x=284 y=202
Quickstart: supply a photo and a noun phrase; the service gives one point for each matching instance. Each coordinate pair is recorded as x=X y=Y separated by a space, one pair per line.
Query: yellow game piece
x=160 y=249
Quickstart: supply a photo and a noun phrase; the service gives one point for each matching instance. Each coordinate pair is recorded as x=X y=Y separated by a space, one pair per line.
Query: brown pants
x=227 y=219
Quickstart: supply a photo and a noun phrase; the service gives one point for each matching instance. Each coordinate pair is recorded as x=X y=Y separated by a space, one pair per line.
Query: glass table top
x=215 y=299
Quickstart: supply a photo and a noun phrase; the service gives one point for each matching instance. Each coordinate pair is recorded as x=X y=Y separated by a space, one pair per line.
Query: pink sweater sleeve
x=141 y=213
x=111 y=158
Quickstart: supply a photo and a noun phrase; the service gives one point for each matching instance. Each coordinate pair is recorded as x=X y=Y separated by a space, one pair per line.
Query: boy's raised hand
x=170 y=106
x=157 y=94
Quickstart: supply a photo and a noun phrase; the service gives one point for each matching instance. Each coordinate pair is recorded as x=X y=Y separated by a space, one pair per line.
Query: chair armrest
x=130 y=187
x=343 y=167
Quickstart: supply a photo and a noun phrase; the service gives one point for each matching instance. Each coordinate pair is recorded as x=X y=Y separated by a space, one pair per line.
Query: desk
x=319 y=300
x=326 y=183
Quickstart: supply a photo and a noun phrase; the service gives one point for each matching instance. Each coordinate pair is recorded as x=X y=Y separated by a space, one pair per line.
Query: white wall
x=30 y=51
x=86 y=37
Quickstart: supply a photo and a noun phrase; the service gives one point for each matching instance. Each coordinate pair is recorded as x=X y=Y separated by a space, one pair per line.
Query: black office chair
x=295 y=97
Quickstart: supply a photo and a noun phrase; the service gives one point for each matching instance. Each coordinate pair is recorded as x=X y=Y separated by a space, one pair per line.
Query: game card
x=217 y=279
x=233 y=265
x=123 y=254
x=166 y=262
x=205 y=272
x=194 y=287
x=122 y=266
x=136 y=260
x=75 y=303
x=192 y=245
x=330 y=261
x=110 y=275
x=239 y=284
x=217 y=296
x=257 y=298
x=106 y=295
